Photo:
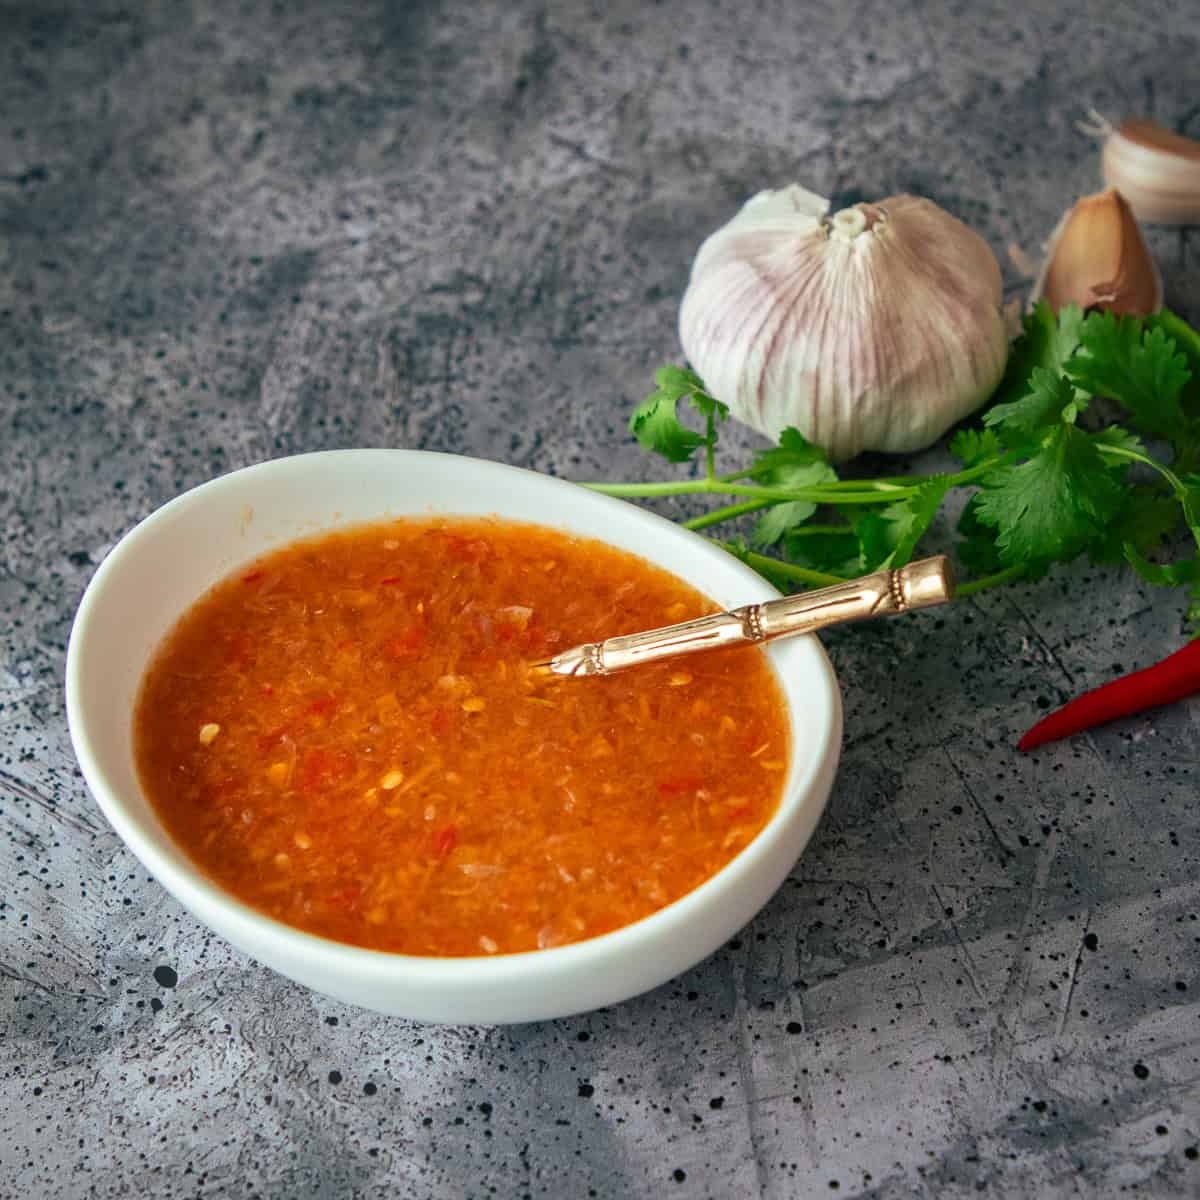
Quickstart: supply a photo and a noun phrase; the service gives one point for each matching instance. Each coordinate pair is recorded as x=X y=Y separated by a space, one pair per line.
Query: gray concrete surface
x=230 y=231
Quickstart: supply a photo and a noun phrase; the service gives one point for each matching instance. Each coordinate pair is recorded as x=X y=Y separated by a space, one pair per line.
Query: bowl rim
x=187 y=881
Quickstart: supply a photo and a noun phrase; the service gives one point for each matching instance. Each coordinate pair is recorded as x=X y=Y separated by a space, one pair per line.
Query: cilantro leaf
x=889 y=537
x=794 y=463
x=678 y=382
x=1145 y=518
x=655 y=422
x=1122 y=438
x=1140 y=369
x=977 y=551
x=1187 y=570
x=656 y=425
x=1046 y=341
x=974 y=446
x=834 y=550
x=1049 y=400
x=794 y=450
x=921 y=510
x=1187 y=341
x=1053 y=504
x=879 y=533
x=778 y=519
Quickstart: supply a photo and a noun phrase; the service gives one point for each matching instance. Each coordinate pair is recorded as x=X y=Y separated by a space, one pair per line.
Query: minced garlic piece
x=393 y=779
x=208 y=733
x=302 y=840
x=474 y=704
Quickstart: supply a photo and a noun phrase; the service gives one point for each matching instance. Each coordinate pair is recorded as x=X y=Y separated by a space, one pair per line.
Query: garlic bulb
x=874 y=329
x=1096 y=258
x=1156 y=170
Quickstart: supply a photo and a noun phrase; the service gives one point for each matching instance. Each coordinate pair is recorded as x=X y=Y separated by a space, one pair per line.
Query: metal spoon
x=922 y=584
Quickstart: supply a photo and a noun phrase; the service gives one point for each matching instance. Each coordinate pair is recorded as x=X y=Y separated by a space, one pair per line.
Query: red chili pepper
x=253 y=577
x=391 y=581
x=1177 y=676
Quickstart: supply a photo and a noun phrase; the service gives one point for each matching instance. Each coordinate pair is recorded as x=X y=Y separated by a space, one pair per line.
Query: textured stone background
x=230 y=231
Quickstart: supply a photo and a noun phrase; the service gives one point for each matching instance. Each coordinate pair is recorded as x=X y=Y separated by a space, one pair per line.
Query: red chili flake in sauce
x=322 y=706
x=272 y=737
x=405 y=644
x=444 y=841
x=392 y=776
x=680 y=786
x=321 y=769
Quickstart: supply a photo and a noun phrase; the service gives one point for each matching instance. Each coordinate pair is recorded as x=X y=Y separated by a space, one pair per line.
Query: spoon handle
x=885 y=593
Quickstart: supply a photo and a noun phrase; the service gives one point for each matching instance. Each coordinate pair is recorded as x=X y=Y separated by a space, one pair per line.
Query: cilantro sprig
x=1090 y=446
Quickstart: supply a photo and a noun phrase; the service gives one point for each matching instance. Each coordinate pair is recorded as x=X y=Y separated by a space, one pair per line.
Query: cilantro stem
x=840 y=491
x=825 y=493
x=808 y=529
x=1146 y=461
x=890 y=484
x=1178 y=487
x=773 y=566
x=726 y=514
x=972 y=586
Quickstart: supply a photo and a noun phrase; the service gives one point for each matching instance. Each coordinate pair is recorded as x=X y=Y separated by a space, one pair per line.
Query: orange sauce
x=346 y=735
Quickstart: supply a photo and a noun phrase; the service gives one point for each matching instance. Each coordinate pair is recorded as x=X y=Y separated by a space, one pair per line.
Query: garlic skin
x=1097 y=258
x=874 y=329
x=1156 y=170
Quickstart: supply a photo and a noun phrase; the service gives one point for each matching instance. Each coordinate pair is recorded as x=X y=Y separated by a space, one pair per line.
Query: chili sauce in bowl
x=301 y=694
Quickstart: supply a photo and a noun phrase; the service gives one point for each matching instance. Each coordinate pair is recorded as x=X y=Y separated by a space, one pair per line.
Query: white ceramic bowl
x=168 y=561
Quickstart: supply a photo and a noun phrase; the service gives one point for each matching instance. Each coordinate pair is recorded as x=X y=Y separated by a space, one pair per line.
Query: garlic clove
x=874 y=329
x=1097 y=258
x=1156 y=170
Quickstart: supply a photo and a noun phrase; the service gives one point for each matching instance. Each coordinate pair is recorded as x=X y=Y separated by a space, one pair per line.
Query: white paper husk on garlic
x=874 y=329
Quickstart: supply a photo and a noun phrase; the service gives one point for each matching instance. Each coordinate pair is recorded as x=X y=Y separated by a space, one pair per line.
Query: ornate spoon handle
x=882 y=594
